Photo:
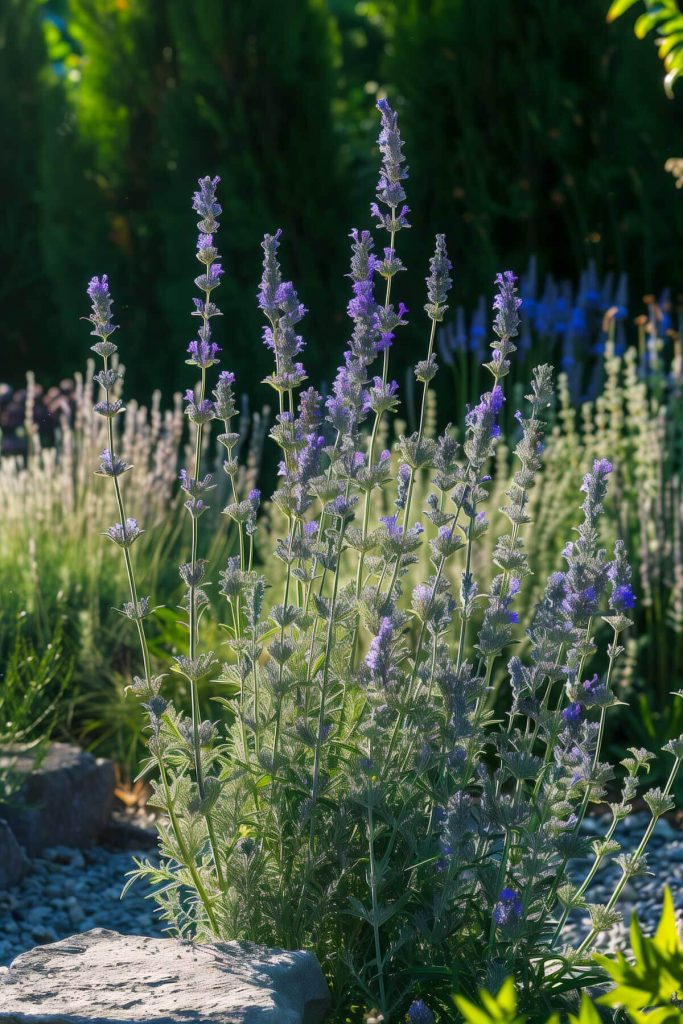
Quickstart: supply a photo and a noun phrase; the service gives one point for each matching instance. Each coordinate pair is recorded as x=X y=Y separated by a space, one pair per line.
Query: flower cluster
x=390 y=191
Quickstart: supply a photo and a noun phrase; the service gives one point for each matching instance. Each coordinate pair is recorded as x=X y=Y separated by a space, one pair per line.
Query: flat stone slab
x=101 y=977
x=65 y=801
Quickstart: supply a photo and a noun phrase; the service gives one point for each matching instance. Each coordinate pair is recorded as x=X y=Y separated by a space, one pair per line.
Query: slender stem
x=592 y=935
x=278 y=712
x=373 y=440
x=193 y=625
x=420 y=430
x=375 y=906
x=187 y=861
x=586 y=796
x=586 y=882
x=326 y=669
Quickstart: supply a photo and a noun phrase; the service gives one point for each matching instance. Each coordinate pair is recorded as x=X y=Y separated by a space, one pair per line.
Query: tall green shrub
x=22 y=63
x=535 y=126
x=158 y=92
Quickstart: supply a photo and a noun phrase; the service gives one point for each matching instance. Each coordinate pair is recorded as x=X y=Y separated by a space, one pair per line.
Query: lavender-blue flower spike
x=505 y=324
x=124 y=534
x=438 y=286
x=280 y=303
x=200 y=410
x=390 y=193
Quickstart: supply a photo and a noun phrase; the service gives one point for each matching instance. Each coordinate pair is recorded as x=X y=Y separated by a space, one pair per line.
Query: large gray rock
x=13 y=860
x=101 y=977
x=65 y=801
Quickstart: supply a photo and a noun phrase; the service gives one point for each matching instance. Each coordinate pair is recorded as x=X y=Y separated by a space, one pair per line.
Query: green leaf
x=645 y=24
x=498 y=1009
x=657 y=974
x=619 y=7
x=587 y=1013
x=670 y=44
x=667 y=938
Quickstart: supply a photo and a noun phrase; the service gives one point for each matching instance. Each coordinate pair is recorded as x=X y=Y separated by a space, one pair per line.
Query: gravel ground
x=71 y=891
x=644 y=893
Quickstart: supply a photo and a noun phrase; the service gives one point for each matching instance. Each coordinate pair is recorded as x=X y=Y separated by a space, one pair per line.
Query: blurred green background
x=531 y=126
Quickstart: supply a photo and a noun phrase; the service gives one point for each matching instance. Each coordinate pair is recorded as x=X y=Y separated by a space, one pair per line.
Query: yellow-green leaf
x=667 y=937
x=619 y=7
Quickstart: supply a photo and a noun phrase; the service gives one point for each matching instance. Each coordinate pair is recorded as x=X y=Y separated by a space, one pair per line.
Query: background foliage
x=533 y=126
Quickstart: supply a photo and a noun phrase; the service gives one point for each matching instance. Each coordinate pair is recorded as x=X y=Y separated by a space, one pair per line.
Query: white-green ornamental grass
x=364 y=802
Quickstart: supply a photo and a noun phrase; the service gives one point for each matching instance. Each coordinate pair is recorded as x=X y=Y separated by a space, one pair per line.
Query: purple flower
x=198 y=412
x=378 y=658
x=423 y=601
x=202 y=353
x=402 y=481
x=224 y=405
x=394 y=531
x=506 y=303
x=623 y=597
x=362 y=308
x=288 y=303
x=111 y=465
x=391 y=264
x=482 y=418
x=602 y=467
x=100 y=317
x=193 y=487
x=381 y=397
x=556 y=588
x=579 y=605
x=308 y=461
x=211 y=279
x=271 y=277
x=389 y=319
x=340 y=413
x=390 y=191
x=125 y=534
x=619 y=574
x=439 y=281
x=309 y=409
x=592 y=684
x=419 y=1013
x=363 y=262
x=343 y=506
x=204 y=203
x=280 y=303
x=508 y=909
x=254 y=499
x=572 y=714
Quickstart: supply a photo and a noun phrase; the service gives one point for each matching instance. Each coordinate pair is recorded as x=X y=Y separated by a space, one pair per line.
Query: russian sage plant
x=363 y=801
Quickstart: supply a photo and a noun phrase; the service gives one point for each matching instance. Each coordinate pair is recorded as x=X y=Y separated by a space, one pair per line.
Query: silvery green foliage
x=363 y=801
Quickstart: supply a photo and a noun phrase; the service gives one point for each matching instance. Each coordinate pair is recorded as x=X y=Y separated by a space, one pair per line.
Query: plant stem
x=592 y=935
x=177 y=832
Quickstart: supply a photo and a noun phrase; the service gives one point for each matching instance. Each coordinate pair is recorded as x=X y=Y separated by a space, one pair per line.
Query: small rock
x=66 y=800
x=13 y=861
